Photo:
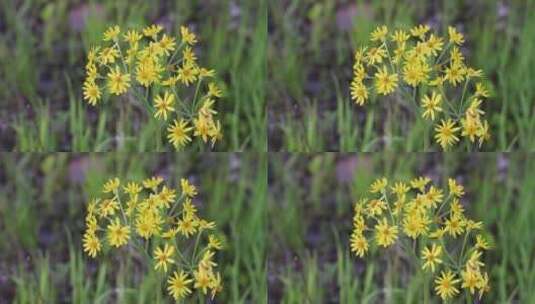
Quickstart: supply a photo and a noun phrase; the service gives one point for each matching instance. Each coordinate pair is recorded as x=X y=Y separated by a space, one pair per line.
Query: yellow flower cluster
x=138 y=64
x=407 y=63
x=138 y=214
x=420 y=213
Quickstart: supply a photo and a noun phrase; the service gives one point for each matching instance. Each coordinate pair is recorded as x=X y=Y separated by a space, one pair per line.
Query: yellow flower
x=481 y=91
x=164 y=257
x=187 y=74
x=454 y=74
x=415 y=225
x=380 y=33
x=117 y=234
x=187 y=36
x=108 y=207
x=152 y=31
x=214 y=242
x=132 y=188
x=445 y=285
x=420 y=31
x=415 y=73
x=376 y=55
x=132 y=37
x=147 y=73
x=111 y=185
x=163 y=105
x=434 y=44
x=108 y=55
x=203 y=125
x=385 y=83
x=111 y=33
x=167 y=44
x=189 y=56
x=431 y=105
x=454 y=226
x=431 y=257
x=178 y=285
x=470 y=279
x=359 y=244
x=187 y=188
x=359 y=93
x=91 y=93
x=91 y=244
x=455 y=37
x=118 y=83
x=178 y=133
x=446 y=133
x=202 y=280
x=152 y=183
x=214 y=91
x=385 y=235
x=378 y=185
x=455 y=188
x=400 y=36
x=148 y=224
x=481 y=243
x=420 y=183
x=186 y=226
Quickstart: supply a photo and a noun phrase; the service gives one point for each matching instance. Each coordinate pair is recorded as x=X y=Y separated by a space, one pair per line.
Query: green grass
x=42 y=205
x=43 y=48
x=311 y=55
x=312 y=196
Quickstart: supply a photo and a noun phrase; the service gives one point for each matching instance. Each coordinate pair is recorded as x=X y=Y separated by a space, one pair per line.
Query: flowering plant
x=419 y=215
x=414 y=64
x=141 y=216
x=150 y=69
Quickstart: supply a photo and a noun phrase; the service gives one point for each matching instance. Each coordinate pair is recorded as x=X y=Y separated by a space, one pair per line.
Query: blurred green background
x=310 y=55
x=312 y=196
x=42 y=209
x=43 y=46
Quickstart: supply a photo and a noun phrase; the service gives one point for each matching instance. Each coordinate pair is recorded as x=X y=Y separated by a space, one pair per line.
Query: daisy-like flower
x=454 y=74
x=167 y=44
x=187 y=74
x=117 y=234
x=118 y=83
x=420 y=31
x=359 y=244
x=186 y=226
x=385 y=83
x=203 y=280
x=455 y=36
x=446 y=133
x=111 y=33
x=178 y=285
x=400 y=36
x=188 y=188
x=91 y=93
x=91 y=244
x=455 y=188
x=164 y=105
x=380 y=33
x=385 y=235
x=214 y=90
x=431 y=105
x=431 y=257
x=214 y=242
x=132 y=37
x=163 y=257
x=445 y=285
x=152 y=31
x=378 y=185
x=187 y=36
x=112 y=185
x=178 y=133
x=359 y=92
x=454 y=226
